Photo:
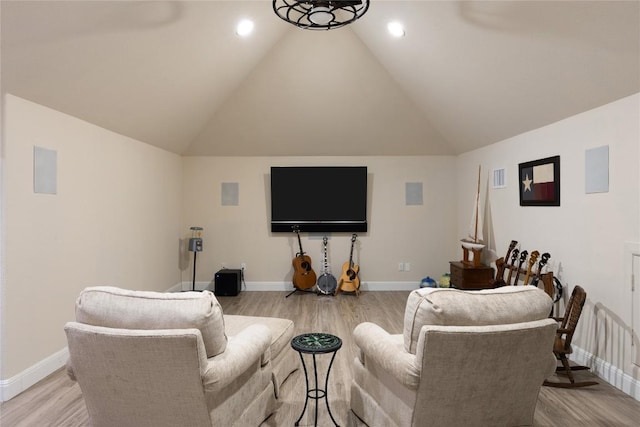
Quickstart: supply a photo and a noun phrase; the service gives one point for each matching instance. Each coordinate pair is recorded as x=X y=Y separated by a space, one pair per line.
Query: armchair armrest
x=378 y=345
x=249 y=346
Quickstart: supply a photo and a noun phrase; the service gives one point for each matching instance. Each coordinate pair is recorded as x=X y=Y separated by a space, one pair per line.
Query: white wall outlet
x=404 y=266
x=243 y=265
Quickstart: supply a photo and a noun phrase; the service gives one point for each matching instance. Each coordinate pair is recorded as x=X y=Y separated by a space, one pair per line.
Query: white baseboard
x=605 y=370
x=25 y=379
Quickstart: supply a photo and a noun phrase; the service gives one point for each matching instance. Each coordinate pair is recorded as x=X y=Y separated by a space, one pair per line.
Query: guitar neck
x=353 y=242
x=324 y=256
x=301 y=253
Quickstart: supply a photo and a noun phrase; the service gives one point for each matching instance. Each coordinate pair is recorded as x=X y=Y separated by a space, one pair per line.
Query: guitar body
x=327 y=283
x=349 y=280
x=303 y=275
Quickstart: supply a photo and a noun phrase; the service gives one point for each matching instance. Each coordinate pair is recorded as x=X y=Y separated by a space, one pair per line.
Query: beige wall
x=587 y=234
x=123 y=206
x=420 y=235
x=114 y=220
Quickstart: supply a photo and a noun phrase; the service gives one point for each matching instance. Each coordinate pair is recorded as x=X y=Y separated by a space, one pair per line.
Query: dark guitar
x=501 y=265
x=349 y=280
x=303 y=275
x=523 y=258
x=514 y=257
x=543 y=261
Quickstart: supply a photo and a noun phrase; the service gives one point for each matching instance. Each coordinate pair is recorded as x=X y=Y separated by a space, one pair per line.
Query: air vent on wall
x=499 y=178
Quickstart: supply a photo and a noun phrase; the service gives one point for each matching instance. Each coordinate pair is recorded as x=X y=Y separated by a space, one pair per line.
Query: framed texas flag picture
x=540 y=182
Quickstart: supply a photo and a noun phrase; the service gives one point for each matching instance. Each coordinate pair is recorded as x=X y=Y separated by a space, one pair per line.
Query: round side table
x=316 y=343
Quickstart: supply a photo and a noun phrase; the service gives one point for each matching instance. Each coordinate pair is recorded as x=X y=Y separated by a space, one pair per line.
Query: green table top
x=316 y=342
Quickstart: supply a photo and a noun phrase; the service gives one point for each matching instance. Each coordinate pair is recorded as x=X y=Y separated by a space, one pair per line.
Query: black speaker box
x=227 y=282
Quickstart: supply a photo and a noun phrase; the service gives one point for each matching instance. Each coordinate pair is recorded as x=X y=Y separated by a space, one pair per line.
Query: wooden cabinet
x=466 y=276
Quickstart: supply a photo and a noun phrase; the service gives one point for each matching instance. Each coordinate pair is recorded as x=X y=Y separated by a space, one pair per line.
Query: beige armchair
x=164 y=359
x=465 y=358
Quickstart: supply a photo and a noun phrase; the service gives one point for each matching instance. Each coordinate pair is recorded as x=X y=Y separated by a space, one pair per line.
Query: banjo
x=326 y=282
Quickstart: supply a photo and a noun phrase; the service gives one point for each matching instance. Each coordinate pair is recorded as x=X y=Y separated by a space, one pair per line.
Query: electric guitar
x=303 y=275
x=326 y=282
x=349 y=280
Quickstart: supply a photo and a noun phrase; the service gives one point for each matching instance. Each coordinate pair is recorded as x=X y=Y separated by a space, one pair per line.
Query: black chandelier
x=318 y=14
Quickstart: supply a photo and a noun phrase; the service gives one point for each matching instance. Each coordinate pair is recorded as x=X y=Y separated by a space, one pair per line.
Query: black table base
x=316 y=343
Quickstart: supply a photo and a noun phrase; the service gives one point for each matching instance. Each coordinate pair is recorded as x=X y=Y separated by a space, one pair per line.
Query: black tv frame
x=321 y=225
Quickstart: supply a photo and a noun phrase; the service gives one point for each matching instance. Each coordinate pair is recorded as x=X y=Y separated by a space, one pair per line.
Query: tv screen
x=319 y=198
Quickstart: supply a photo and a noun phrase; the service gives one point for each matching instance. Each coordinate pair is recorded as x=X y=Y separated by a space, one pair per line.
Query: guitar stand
x=299 y=290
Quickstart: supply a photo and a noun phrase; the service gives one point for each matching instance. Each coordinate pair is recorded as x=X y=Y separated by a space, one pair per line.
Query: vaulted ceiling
x=175 y=75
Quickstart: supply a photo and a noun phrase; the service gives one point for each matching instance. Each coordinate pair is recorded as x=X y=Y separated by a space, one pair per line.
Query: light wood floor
x=57 y=401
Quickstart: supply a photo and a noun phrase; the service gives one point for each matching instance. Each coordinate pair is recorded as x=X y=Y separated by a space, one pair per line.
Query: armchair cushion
x=125 y=309
x=283 y=358
x=243 y=350
x=454 y=307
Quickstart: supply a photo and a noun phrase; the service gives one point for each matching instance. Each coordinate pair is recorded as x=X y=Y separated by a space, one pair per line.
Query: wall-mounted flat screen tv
x=319 y=198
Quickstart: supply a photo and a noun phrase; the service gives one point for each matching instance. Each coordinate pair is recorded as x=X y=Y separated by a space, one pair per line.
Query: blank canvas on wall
x=596 y=170
x=45 y=170
x=230 y=194
x=413 y=194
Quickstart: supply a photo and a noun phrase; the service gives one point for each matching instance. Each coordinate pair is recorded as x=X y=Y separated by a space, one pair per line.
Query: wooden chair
x=562 y=344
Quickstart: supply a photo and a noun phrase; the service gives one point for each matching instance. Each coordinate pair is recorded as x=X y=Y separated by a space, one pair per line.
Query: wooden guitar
x=327 y=281
x=349 y=280
x=514 y=257
x=303 y=275
x=501 y=265
x=543 y=261
x=532 y=260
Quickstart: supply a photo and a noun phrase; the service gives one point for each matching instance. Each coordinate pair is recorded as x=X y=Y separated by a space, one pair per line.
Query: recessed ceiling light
x=244 y=28
x=395 y=29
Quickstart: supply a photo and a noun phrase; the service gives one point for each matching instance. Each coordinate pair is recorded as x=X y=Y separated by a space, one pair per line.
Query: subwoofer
x=227 y=282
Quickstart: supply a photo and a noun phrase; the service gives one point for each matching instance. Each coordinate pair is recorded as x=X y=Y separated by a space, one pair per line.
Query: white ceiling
x=175 y=75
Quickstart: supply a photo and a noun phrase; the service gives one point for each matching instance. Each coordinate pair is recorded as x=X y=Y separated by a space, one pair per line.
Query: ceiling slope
x=155 y=71
x=319 y=93
x=483 y=71
x=174 y=74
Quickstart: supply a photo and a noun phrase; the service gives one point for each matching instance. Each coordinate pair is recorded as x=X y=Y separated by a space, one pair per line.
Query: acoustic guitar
x=541 y=264
x=501 y=265
x=523 y=257
x=514 y=258
x=532 y=260
x=349 y=280
x=303 y=275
